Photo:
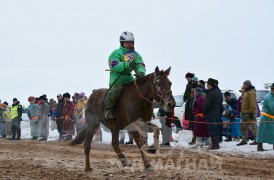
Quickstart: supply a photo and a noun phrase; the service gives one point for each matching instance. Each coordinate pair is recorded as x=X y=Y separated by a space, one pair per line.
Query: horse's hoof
x=126 y=163
x=151 y=151
x=88 y=169
x=150 y=168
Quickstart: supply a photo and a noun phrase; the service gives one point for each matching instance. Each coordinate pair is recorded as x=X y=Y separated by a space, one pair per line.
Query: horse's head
x=162 y=89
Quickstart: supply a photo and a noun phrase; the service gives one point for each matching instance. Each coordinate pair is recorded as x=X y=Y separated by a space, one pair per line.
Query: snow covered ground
x=183 y=137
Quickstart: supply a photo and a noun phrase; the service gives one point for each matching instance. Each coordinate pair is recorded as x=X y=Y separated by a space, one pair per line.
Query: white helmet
x=126 y=36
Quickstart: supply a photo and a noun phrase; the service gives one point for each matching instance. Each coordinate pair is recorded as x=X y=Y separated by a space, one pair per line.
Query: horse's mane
x=142 y=79
x=139 y=80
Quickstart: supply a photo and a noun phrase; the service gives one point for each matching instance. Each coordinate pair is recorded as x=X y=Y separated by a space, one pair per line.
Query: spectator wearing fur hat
x=212 y=111
x=32 y=112
x=188 y=77
x=187 y=96
x=249 y=112
x=81 y=103
x=68 y=117
x=43 y=119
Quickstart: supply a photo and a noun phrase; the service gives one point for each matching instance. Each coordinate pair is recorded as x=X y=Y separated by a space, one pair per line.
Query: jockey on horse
x=122 y=62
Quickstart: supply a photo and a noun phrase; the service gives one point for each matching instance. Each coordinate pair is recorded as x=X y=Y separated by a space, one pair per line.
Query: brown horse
x=135 y=103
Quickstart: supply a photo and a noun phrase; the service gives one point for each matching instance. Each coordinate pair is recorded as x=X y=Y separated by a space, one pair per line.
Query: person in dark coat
x=200 y=129
x=187 y=97
x=189 y=77
x=212 y=111
x=59 y=114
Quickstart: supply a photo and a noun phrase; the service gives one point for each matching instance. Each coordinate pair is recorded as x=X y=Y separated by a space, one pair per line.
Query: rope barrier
x=249 y=122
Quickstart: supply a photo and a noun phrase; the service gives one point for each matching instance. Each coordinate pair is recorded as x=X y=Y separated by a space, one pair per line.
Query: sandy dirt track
x=57 y=160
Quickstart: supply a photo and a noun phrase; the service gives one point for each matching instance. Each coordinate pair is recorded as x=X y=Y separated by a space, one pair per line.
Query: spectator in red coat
x=200 y=129
x=68 y=118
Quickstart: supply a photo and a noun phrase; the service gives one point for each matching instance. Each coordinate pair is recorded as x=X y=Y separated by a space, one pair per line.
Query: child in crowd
x=227 y=114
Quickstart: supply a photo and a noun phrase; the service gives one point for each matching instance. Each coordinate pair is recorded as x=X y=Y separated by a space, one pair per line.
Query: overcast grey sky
x=54 y=46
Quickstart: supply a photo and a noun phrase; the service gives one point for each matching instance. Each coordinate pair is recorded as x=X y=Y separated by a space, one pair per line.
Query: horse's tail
x=79 y=138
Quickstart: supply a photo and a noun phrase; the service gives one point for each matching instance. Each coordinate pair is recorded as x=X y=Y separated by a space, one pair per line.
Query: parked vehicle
x=260 y=97
x=178 y=113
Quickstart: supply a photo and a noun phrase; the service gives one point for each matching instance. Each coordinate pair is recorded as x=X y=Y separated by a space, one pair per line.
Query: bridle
x=161 y=97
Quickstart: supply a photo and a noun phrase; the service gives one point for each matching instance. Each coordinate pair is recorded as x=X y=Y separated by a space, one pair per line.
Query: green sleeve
x=116 y=62
x=140 y=68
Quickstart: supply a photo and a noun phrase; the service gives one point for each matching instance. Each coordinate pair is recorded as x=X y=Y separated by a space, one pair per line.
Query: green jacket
x=249 y=102
x=119 y=61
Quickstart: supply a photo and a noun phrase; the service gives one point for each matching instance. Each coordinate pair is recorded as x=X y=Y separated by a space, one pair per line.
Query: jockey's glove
x=138 y=75
x=132 y=65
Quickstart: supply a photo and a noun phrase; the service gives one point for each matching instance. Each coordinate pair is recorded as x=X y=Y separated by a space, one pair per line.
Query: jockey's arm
x=140 y=65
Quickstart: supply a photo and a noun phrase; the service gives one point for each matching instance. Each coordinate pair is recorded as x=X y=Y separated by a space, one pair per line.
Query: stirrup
x=108 y=114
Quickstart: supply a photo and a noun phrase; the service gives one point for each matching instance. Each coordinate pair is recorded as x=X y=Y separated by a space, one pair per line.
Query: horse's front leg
x=141 y=145
x=115 y=145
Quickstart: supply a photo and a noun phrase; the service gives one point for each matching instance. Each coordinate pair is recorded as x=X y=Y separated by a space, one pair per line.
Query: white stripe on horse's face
x=162 y=89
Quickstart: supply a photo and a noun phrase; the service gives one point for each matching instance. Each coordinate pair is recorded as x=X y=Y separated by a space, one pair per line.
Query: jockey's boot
x=108 y=113
x=260 y=147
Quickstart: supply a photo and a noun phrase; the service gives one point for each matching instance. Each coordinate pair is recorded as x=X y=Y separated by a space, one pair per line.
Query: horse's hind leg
x=115 y=145
x=141 y=145
x=92 y=126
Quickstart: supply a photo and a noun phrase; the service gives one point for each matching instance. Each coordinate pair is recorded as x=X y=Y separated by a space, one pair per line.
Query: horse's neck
x=142 y=88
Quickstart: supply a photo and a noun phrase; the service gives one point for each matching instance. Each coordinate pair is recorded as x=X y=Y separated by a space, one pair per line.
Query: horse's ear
x=157 y=70
x=168 y=71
